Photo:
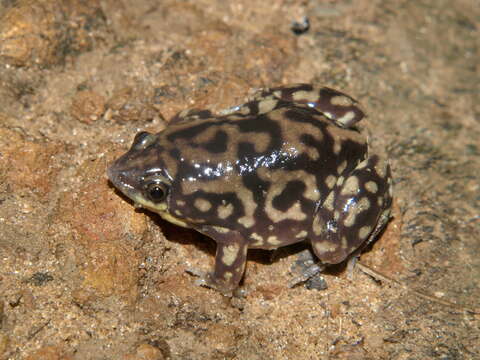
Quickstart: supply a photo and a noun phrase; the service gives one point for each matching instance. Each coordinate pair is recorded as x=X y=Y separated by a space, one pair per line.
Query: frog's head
x=142 y=176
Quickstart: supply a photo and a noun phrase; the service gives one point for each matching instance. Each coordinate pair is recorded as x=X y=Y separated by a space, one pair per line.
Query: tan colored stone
x=87 y=106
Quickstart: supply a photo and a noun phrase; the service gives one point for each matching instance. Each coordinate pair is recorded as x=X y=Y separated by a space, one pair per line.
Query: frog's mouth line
x=170 y=218
x=160 y=209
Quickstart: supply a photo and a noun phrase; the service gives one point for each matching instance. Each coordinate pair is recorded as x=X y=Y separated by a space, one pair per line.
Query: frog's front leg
x=354 y=212
x=230 y=260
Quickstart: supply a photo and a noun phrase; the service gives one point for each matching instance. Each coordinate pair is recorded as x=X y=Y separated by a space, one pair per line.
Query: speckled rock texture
x=83 y=275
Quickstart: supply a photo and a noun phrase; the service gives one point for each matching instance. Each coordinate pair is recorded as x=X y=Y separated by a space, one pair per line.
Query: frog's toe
x=195 y=272
x=203 y=278
x=307 y=274
x=206 y=279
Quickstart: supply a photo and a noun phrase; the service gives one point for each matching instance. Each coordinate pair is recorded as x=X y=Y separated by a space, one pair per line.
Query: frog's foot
x=307 y=267
x=352 y=262
x=230 y=259
x=206 y=279
x=307 y=274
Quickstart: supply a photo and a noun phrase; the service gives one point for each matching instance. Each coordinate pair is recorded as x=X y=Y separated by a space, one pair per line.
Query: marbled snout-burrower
x=287 y=166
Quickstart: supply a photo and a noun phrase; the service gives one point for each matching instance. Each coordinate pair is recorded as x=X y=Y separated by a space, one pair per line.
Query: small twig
x=37 y=330
x=378 y=276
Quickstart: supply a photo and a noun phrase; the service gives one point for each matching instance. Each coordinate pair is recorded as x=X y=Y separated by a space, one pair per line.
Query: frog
x=289 y=165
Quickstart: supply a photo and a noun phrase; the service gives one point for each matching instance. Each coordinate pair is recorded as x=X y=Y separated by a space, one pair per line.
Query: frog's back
x=260 y=172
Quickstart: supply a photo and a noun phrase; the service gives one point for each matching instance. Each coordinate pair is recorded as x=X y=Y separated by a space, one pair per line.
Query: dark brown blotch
x=218 y=144
x=291 y=193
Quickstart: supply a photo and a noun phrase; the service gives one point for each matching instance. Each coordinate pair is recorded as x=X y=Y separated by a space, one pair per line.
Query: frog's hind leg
x=335 y=105
x=354 y=212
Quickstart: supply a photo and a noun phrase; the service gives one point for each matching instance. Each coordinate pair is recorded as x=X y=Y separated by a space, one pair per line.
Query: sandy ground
x=85 y=276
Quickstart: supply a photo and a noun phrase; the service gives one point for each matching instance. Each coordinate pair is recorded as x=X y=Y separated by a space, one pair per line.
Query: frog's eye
x=143 y=139
x=156 y=191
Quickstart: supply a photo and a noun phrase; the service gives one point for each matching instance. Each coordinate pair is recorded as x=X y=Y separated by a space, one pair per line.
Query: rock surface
x=83 y=275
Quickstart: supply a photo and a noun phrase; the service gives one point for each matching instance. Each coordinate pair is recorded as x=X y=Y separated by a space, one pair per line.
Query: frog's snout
x=119 y=177
x=112 y=173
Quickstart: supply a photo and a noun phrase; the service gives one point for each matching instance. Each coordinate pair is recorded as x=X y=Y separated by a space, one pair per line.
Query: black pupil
x=156 y=193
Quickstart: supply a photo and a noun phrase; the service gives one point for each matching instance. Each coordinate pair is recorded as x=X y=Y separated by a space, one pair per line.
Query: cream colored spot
x=220 y=229
x=351 y=186
x=330 y=181
x=244 y=110
x=180 y=203
x=227 y=275
x=362 y=205
x=364 y=232
x=258 y=239
x=341 y=100
x=318 y=227
x=273 y=240
x=277 y=94
x=310 y=96
x=362 y=165
x=235 y=117
x=178 y=212
x=328 y=203
x=371 y=186
x=270 y=227
x=267 y=105
x=256 y=236
x=202 y=204
x=225 y=210
x=342 y=167
x=246 y=221
x=380 y=201
x=346 y=119
x=322 y=247
x=336 y=215
x=312 y=153
x=340 y=181
x=301 y=234
x=184 y=113
x=327 y=114
x=337 y=147
x=230 y=253
x=249 y=205
x=381 y=170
